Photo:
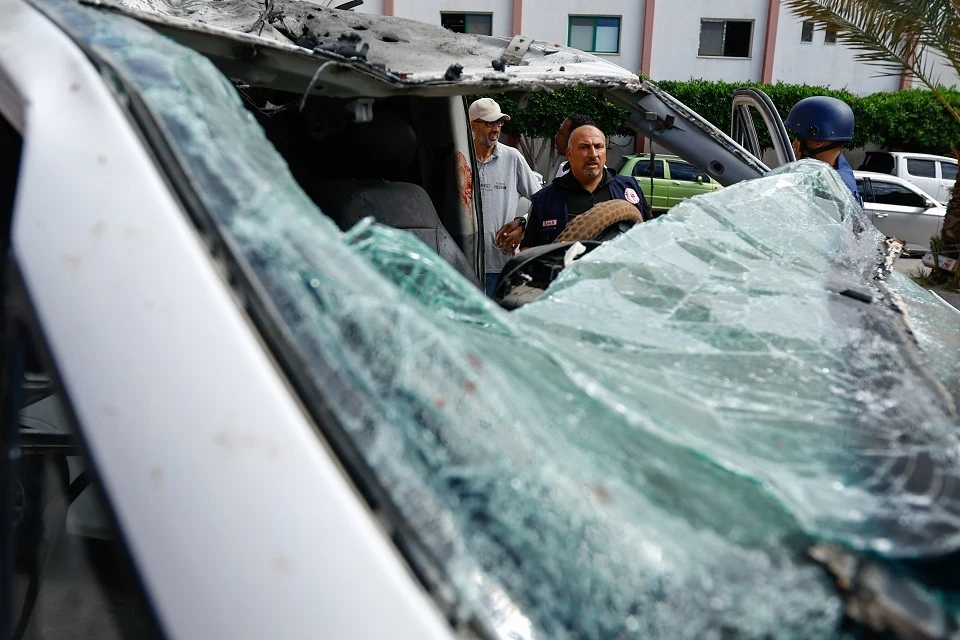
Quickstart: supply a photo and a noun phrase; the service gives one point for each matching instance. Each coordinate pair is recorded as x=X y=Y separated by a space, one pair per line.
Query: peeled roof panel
x=408 y=51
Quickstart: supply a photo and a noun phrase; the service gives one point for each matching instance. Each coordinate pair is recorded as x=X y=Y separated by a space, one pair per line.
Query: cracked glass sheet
x=936 y=326
x=649 y=449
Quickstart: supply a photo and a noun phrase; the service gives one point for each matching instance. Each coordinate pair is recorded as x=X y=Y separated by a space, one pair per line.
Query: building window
x=597 y=34
x=830 y=36
x=806 y=34
x=479 y=23
x=726 y=38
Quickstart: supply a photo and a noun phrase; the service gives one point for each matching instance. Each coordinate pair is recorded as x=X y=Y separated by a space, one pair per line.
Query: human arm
x=509 y=235
x=528 y=181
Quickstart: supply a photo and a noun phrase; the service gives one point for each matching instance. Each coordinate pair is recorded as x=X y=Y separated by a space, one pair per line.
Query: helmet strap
x=807 y=151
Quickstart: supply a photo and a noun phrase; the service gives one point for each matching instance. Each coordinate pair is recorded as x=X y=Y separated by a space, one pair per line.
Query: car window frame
x=943 y=163
x=683 y=164
x=923 y=197
x=658 y=163
x=921 y=162
x=745 y=132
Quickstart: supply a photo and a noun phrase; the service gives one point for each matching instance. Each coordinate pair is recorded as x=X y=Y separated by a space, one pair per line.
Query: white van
x=935 y=175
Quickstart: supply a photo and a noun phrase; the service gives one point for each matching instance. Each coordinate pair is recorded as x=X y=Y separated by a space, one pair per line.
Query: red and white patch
x=631 y=196
x=549 y=223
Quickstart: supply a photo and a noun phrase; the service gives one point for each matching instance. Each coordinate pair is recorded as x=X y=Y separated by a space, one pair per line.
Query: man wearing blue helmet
x=822 y=124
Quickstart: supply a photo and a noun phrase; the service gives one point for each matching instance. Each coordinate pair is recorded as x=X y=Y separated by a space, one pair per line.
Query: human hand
x=509 y=236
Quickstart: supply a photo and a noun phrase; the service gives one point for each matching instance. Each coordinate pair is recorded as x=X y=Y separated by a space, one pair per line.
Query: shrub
x=912 y=120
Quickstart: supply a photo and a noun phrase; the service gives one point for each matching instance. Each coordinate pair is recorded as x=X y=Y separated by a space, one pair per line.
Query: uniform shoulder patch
x=631 y=196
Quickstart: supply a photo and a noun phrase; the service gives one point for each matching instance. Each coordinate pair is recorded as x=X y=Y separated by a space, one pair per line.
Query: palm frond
x=894 y=35
x=886 y=33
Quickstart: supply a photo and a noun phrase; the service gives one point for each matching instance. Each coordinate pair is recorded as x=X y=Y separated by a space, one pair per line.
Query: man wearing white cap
x=504 y=177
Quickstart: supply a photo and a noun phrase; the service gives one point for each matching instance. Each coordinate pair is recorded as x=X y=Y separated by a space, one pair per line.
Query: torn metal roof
x=396 y=51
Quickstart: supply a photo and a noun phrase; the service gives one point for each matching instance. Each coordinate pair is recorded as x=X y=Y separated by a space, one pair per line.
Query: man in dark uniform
x=588 y=183
x=822 y=124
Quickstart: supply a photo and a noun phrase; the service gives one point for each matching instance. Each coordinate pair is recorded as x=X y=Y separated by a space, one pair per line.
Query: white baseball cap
x=486 y=109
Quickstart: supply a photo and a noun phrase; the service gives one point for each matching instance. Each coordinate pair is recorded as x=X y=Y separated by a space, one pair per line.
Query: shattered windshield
x=651 y=448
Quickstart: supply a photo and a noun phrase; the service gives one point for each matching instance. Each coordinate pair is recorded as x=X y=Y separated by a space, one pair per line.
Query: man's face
x=587 y=153
x=796 y=149
x=812 y=148
x=562 y=137
x=486 y=133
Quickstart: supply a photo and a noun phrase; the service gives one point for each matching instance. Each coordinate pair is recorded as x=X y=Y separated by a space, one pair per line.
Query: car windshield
x=652 y=447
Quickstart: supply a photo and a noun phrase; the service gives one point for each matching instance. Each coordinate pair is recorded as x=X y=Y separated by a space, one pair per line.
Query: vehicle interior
x=379 y=129
x=878 y=163
x=393 y=159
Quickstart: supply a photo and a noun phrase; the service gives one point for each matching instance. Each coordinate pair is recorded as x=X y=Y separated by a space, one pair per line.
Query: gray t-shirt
x=504 y=177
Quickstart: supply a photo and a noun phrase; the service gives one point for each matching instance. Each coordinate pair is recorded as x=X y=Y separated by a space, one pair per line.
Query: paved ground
x=914 y=268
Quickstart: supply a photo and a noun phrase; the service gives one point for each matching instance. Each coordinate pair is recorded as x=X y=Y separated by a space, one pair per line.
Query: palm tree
x=894 y=35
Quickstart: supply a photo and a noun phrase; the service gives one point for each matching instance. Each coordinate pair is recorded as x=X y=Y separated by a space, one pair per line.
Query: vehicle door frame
x=932 y=183
x=945 y=183
x=743 y=128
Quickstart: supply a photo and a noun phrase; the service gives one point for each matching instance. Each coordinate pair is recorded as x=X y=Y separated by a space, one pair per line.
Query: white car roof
x=919 y=156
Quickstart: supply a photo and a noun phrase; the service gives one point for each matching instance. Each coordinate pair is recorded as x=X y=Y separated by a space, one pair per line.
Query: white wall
x=676 y=40
x=818 y=63
x=429 y=11
x=548 y=20
x=942 y=71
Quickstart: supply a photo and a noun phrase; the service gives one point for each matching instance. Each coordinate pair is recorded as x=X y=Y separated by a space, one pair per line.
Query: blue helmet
x=821 y=118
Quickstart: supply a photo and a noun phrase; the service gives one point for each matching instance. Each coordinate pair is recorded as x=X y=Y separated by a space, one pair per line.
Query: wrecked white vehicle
x=303 y=421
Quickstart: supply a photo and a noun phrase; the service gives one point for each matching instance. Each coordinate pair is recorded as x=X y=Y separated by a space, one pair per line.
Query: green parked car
x=674 y=179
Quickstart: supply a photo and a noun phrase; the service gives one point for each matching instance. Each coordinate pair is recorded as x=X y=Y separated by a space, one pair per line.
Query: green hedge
x=545 y=111
x=911 y=120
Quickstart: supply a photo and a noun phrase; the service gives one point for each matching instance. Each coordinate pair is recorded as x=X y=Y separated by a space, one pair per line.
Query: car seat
x=401 y=205
x=370 y=158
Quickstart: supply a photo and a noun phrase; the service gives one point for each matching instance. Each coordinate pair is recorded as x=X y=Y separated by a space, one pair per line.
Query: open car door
x=743 y=126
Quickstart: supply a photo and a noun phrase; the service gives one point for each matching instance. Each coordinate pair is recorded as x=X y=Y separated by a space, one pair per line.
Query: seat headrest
x=382 y=148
